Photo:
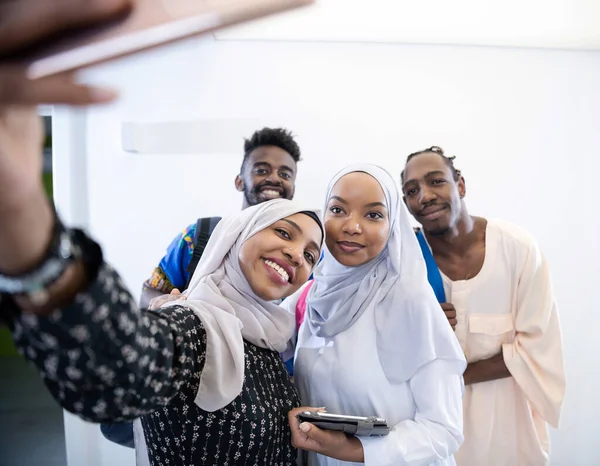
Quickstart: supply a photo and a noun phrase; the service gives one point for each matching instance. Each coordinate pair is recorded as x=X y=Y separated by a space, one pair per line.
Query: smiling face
x=268 y=173
x=431 y=193
x=356 y=220
x=278 y=260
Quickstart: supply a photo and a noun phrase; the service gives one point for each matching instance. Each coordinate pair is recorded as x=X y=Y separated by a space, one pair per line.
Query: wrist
x=468 y=373
x=26 y=231
x=60 y=293
x=79 y=267
x=355 y=451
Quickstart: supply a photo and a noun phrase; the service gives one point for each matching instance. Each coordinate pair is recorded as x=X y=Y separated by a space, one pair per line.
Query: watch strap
x=61 y=252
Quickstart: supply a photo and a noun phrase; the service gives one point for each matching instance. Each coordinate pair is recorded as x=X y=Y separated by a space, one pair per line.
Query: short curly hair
x=278 y=137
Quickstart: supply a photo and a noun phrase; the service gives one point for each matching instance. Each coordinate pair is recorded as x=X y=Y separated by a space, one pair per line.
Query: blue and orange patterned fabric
x=172 y=271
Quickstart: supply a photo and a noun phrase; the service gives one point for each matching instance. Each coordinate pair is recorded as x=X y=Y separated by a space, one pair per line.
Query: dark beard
x=251 y=195
x=249 y=200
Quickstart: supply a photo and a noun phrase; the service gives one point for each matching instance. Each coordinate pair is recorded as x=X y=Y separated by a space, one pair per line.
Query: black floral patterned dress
x=106 y=361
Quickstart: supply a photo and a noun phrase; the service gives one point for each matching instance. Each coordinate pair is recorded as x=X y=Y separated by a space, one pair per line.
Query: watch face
x=35 y=283
x=65 y=246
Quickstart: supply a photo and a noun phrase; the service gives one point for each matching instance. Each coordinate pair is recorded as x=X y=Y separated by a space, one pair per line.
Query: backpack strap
x=301 y=305
x=433 y=272
x=204 y=228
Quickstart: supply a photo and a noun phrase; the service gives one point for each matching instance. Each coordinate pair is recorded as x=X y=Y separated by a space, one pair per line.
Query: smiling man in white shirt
x=498 y=281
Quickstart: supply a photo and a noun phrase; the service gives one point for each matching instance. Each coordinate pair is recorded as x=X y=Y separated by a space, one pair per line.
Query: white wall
x=523 y=123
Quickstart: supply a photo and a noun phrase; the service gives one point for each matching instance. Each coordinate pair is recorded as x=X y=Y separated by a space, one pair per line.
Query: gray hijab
x=412 y=330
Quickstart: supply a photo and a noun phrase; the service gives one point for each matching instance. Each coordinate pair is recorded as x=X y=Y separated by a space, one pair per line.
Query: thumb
x=175 y=291
x=16 y=87
x=313 y=432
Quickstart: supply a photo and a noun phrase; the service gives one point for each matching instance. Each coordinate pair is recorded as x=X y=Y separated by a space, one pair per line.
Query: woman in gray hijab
x=374 y=341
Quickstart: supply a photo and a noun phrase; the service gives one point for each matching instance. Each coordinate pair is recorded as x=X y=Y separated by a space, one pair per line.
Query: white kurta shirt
x=509 y=307
x=344 y=375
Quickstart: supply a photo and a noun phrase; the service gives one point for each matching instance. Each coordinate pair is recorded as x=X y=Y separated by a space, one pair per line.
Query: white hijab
x=228 y=308
x=412 y=329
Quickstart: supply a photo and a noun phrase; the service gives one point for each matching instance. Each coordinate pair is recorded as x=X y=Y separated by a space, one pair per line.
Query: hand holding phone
x=43 y=42
x=148 y=24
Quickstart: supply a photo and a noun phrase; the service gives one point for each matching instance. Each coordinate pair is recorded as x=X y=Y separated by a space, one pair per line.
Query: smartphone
x=148 y=24
x=352 y=425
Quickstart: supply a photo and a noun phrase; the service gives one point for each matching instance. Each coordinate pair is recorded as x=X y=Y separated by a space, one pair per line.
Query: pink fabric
x=301 y=305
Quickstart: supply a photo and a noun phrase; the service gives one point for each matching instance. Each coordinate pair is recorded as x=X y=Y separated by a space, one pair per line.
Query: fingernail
x=304 y=427
x=99 y=94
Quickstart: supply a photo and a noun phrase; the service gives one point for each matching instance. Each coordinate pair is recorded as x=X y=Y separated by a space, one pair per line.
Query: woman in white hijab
x=204 y=374
x=374 y=341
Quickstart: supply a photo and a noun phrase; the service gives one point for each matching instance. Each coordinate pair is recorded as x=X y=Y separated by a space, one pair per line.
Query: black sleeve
x=105 y=360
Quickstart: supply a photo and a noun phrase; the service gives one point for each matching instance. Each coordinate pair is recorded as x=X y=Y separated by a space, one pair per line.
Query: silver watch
x=34 y=284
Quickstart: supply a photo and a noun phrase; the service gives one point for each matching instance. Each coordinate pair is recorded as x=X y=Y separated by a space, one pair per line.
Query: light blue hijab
x=412 y=329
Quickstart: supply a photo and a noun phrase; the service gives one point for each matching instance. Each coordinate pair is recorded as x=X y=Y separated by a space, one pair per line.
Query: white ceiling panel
x=556 y=24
